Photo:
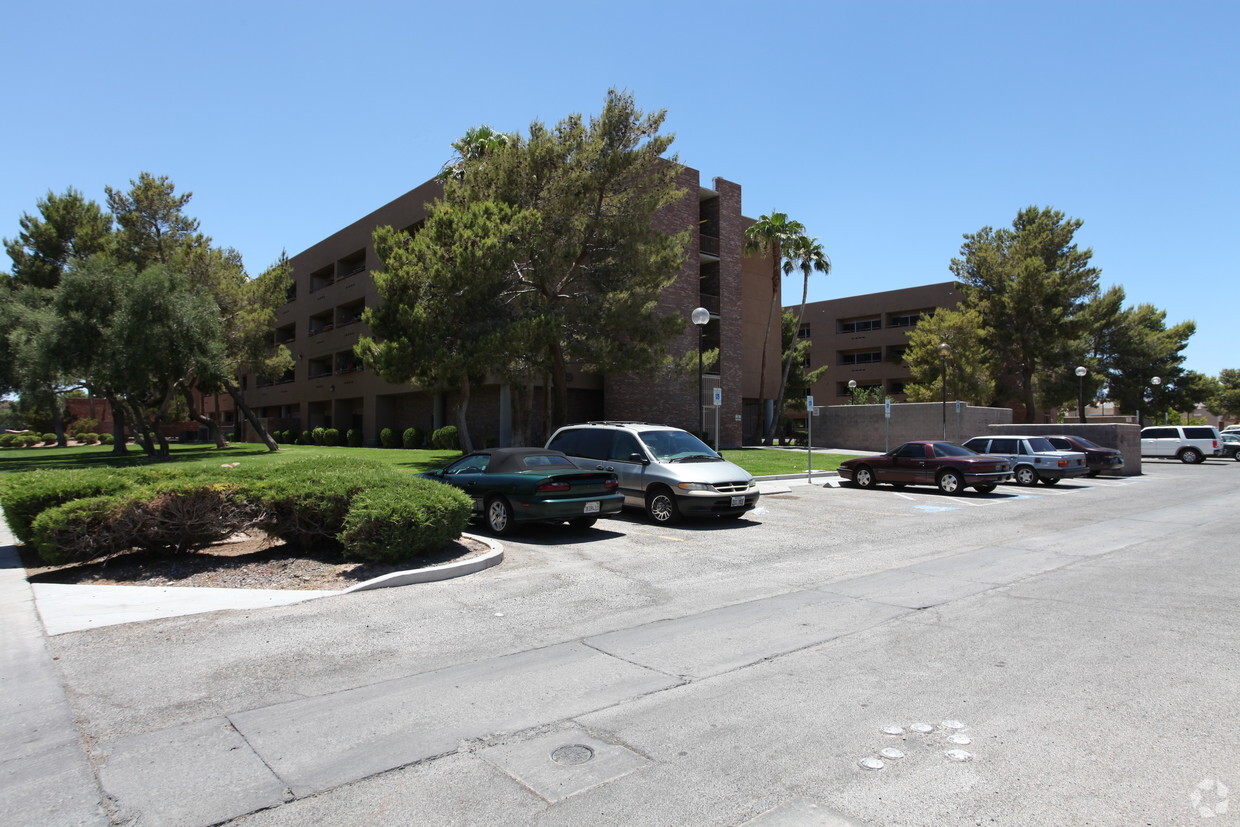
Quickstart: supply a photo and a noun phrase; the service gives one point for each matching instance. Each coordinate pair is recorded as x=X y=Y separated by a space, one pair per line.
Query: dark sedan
x=950 y=467
x=519 y=485
x=1231 y=446
x=1098 y=459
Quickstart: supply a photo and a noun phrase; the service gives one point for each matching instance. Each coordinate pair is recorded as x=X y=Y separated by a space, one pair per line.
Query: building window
x=803 y=332
x=895 y=353
x=904 y=320
x=865 y=357
x=860 y=325
x=895 y=387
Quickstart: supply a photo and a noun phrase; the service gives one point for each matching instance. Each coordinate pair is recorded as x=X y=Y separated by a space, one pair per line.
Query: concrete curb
x=435 y=573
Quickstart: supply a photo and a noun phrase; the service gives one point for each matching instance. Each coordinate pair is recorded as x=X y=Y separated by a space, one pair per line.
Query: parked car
x=519 y=485
x=1098 y=459
x=1231 y=445
x=663 y=470
x=1231 y=429
x=951 y=467
x=1033 y=458
x=1187 y=443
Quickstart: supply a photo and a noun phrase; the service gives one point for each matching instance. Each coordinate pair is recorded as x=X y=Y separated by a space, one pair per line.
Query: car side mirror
x=636 y=457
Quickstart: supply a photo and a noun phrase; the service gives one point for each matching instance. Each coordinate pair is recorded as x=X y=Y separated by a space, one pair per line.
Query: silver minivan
x=665 y=471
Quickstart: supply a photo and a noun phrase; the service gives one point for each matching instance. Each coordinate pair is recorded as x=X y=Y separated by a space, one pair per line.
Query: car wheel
x=583 y=522
x=1050 y=480
x=661 y=507
x=1025 y=475
x=1191 y=456
x=499 y=517
x=950 y=482
x=1236 y=456
x=864 y=477
x=985 y=489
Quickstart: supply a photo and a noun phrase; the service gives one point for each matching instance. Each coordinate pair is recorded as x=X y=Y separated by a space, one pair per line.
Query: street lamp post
x=700 y=317
x=1155 y=381
x=1081 y=370
x=852 y=387
x=945 y=350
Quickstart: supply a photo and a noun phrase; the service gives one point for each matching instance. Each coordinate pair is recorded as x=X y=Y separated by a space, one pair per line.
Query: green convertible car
x=520 y=485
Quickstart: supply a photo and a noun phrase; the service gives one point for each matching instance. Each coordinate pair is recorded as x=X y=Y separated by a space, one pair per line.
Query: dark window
x=860 y=325
x=868 y=357
x=803 y=332
x=546 y=460
x=1004 y=446
x=1199 y=433
x=904 y=320
x=978 y=445
x=912 y=451
x=1159 y=433
x=586 y=442
x=469 y=465
x=623 y=447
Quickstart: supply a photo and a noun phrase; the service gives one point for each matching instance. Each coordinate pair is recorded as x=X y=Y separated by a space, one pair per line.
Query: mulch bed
x=242 y=562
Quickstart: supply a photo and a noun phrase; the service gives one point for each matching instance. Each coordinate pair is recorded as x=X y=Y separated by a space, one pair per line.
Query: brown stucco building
x=329 y=387
x=864 y=337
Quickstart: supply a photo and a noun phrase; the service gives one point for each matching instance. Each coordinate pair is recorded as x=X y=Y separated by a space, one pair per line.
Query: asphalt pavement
x=1049 y=656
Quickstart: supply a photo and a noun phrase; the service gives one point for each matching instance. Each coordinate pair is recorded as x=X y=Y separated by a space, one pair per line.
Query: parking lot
x=1083 y=636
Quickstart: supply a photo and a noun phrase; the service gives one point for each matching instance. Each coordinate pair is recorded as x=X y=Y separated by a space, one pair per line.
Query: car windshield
x=676 y=446
x=1085 y=443
x=1038 y=444
x=946 y=449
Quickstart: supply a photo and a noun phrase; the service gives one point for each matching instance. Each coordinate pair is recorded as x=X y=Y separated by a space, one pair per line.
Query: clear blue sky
x=888 y=129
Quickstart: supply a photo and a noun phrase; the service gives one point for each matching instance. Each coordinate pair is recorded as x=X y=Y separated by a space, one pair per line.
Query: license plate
x=737 y=502
x=592 y=507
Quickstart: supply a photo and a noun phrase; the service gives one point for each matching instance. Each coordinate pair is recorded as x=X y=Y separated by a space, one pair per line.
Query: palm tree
x=768 y=236
x=806 y=254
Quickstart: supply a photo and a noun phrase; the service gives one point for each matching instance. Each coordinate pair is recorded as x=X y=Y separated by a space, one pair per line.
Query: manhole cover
x=572 y=754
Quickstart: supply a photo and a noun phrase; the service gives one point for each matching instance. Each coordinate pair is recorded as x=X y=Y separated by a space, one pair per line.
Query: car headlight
x=694 y=486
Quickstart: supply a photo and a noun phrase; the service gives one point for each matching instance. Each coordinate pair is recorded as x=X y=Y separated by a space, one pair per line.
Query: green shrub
x=305 y=501
x=353 y=438
x=27 y=495
x=106 y=439
x=387 y=438
x=403 y=519
x=84 y=426
x=331 y=437
x=306 y=438
x=6 y=440
x=318 y=435
x=30 y=440
x=89 y=438
x=83 y=529
x=446 y=439
x=49 y=439
x=412 y=438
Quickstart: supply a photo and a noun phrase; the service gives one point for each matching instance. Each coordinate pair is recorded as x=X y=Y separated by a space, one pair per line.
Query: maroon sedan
x=950 y=467
x=1098 y=459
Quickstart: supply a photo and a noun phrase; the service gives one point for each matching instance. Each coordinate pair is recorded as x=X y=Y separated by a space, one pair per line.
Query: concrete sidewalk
x=44 y=774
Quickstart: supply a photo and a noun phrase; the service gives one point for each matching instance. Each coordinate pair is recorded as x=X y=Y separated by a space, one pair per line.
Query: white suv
x=1187 y=443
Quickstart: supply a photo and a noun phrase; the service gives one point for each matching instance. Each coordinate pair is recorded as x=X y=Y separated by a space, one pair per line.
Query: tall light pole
x=1155 y=381
x=852 y=387
x=700 y=317
x=945 y=350
x=1081 y=370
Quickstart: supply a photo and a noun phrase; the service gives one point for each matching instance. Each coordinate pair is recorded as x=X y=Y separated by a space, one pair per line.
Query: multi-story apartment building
x=863 y=338
x=329 y=386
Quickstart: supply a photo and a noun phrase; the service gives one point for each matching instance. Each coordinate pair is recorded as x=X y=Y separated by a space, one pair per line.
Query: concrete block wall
x=864 y=427
x=1126 y=438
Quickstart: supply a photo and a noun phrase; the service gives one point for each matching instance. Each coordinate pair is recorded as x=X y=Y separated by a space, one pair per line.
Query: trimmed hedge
x=364 y=510
x=412 y=438
x=26 y=496
x=403 y=519
x=446 y=439
x=387 y=438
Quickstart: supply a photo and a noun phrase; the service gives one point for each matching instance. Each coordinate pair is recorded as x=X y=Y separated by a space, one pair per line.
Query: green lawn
x=756 y=461
x=764 y=462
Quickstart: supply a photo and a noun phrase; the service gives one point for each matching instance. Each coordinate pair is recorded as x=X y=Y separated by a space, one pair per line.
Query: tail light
x=611 y=484
x=1063 y=463
x=548 y=487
